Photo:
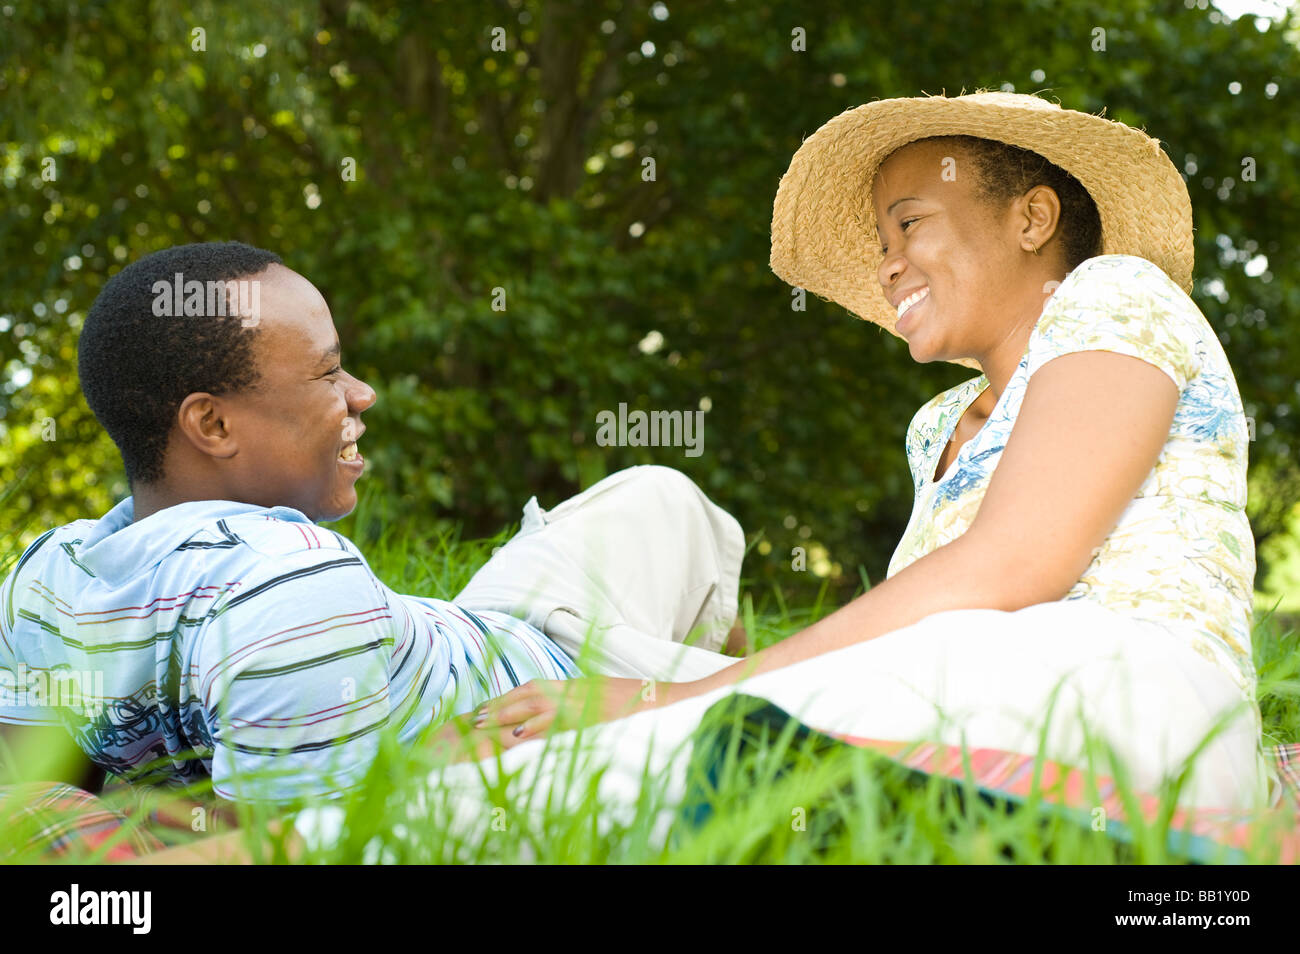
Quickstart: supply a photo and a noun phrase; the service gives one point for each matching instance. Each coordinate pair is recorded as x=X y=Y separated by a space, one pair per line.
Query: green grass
x=776 y=799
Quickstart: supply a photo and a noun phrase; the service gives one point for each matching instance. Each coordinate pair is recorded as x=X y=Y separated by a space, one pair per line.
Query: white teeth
x=911 y=300
x=349 y=452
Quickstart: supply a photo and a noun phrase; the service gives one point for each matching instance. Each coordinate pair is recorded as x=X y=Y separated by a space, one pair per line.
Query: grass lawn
x=776 y=800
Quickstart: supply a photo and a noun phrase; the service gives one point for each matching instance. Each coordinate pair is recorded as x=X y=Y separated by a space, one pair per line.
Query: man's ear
x=202 y=420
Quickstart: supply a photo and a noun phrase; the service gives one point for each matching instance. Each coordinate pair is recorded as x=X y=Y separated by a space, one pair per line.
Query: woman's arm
x=1069 y=470
x=1091 y=427
x=962 y=574
x=970 y=579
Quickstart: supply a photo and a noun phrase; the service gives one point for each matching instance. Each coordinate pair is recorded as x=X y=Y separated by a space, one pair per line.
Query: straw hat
x=824 y=224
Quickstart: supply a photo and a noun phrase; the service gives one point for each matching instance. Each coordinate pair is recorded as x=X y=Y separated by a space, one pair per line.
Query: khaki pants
x=622 y=574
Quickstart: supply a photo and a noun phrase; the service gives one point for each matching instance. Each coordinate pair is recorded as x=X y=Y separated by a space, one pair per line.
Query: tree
x=605 y=170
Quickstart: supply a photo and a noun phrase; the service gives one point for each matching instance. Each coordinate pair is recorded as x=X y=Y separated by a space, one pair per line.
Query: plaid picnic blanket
x=47 y=821
x=54 y=821
x=1199 y=835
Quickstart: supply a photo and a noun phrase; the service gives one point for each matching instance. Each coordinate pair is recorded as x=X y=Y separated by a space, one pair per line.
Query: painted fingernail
x=518 y=730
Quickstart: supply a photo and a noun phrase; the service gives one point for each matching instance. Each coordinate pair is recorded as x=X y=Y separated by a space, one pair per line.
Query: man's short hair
x=137 y=365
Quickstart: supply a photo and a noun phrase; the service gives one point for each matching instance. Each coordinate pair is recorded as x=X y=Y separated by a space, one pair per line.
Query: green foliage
x=521 y=169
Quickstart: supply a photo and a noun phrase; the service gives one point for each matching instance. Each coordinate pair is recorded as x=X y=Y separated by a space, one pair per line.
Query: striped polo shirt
x=242 y=642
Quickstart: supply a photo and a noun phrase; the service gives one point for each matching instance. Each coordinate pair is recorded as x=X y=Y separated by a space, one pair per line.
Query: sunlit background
x=524 y=168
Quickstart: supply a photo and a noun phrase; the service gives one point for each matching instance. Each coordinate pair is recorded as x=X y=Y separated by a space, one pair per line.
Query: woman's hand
x=458 y=741
x=532 y=709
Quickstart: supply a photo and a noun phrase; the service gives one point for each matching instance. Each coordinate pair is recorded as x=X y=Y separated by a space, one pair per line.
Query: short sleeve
x=294 y=679
x=1124 y=304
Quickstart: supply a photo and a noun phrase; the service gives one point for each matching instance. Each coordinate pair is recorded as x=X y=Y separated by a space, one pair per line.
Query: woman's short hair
x=1006 y=172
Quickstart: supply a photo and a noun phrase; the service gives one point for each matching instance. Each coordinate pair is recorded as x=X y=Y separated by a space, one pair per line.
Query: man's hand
x=532 y=709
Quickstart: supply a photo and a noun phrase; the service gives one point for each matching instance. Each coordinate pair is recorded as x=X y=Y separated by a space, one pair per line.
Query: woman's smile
x=909 y=309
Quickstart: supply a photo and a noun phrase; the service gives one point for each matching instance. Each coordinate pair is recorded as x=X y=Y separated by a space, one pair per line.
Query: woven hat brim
x=824 y=223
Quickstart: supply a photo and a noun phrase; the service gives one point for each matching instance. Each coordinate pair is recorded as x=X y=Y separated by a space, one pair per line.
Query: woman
x=1078 y=533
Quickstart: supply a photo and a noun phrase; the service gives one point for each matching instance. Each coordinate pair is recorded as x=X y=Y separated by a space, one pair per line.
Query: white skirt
x=984 y=678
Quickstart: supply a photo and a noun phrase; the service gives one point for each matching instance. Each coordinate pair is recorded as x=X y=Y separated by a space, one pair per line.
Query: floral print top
x=1182 y=553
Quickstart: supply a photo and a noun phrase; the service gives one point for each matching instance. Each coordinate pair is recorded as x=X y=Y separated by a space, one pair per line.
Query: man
x=210 y=626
